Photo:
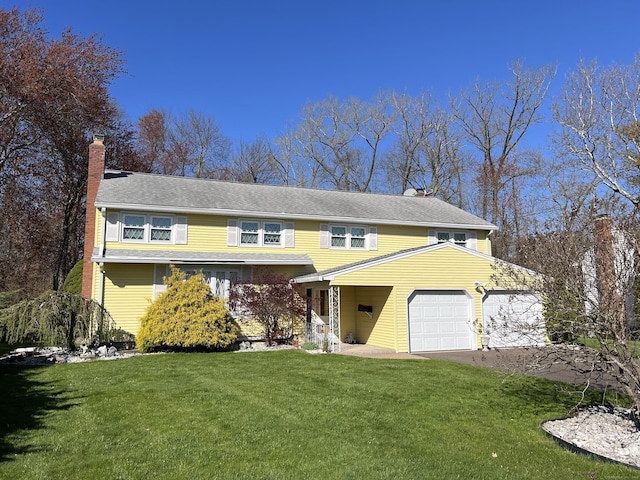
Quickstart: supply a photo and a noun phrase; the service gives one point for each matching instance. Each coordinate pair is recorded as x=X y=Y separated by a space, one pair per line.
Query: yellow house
x=408 y=272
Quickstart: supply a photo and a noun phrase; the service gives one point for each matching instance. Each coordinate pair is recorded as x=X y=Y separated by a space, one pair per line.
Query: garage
x=512 y=319
x=440 y=320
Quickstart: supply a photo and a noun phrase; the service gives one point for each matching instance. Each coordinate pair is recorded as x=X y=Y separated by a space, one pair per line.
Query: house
x=407 y=272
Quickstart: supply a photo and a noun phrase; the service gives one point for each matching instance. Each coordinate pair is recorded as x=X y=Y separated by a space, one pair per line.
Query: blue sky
x=253 y=65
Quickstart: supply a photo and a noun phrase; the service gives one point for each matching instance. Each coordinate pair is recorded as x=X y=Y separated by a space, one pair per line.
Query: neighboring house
x=609 y=271
x=405 y=272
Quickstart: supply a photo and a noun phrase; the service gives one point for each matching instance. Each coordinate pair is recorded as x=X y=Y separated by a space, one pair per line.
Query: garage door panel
x=439 y=320
x=513 y=319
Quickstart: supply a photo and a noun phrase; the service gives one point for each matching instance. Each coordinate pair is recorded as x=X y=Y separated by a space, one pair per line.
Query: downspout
x=101 y=255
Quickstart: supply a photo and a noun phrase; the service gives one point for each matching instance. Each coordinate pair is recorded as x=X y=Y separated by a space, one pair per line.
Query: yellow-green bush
x=186 y=315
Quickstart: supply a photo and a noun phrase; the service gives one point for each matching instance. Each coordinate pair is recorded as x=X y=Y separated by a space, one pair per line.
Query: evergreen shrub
x=73 y=282
x=186 y=315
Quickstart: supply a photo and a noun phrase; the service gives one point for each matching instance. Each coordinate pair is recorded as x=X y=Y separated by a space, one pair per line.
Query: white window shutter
x=324 y=235
x=472 y=240
x=181 y=230
x=113 y=227
x=289 y=235
x=433 y=237
x=373 y=238
x=232 y=233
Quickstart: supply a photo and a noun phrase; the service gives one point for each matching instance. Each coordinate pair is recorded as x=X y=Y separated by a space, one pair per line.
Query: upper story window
x=459 y=238
x=133 y=228
x=348 y=237
x=259 y=233
x=146 y=228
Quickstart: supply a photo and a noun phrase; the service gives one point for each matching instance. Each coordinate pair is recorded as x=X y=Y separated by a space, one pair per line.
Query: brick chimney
x=95 y=174
x=610 y=299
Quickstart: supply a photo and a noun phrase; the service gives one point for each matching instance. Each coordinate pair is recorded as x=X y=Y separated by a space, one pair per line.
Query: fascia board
x=182 y=261
x=288 y=216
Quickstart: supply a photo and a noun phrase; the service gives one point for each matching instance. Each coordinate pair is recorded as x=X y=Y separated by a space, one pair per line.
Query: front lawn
x=284 y=415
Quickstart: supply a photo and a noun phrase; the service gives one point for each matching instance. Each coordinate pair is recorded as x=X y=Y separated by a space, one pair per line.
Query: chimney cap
x=98 y=137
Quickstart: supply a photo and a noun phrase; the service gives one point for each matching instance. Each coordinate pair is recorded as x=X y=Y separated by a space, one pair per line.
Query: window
x=272 y=232
x=249 y=233
x=338 y=237
x=146 y=228
x=161 y=229
x=357 y=237
x=459 y=238
x=256 y=233
x=133 y=228
x=348 y=237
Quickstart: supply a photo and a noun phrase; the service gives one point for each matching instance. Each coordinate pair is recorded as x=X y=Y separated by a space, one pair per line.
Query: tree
x=427 y=150
x=494 y=120
x=588 y=283
x=186 y=315
x=56 y=319
x=53 y=93
x=600 y=125
x=338 y=143
x=271 y=300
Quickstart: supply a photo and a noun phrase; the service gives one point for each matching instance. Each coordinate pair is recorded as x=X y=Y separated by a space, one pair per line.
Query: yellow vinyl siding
x=379 y=329
x=128 y=289
x=443 y=269
x=208 y=233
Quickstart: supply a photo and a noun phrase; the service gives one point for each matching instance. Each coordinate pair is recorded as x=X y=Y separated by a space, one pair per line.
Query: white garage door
x=513 y=319
x=440 y=320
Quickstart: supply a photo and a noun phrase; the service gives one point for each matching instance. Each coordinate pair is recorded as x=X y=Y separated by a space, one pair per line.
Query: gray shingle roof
x=126 y=190
x=232 y=258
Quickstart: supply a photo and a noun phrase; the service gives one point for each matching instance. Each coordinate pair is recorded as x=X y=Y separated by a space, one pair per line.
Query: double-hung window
x=147 y=228
x=249 y=233
x=161 y=229
x=338 y=236
x=349 y=237
x=459 y=238
x=253 y=232
x=133 y=228
x=272 y=233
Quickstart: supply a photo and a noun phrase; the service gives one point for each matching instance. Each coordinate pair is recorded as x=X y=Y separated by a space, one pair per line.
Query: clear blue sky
x=252 y=65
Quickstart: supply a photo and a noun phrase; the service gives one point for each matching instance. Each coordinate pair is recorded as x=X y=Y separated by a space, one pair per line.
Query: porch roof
x=176 y=257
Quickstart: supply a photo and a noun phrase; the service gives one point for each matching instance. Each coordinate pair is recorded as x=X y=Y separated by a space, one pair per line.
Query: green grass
x=281 y=415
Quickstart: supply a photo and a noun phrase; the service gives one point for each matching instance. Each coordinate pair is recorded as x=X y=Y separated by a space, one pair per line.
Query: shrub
x=310 y=346
x=73 y=282
x=186 y=315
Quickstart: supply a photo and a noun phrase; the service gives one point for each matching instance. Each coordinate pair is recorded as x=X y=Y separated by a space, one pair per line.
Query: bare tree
x=495 y=118
x=254 y=163
x=600 y=128
x=339 y=143
x=587 y=281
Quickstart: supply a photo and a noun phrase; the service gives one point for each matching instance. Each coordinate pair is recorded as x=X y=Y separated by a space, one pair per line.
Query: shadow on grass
x=540 y=396
x=24 y=402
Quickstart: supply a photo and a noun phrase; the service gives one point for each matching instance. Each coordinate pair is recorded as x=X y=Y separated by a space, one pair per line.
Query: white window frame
x=261 y=233
x=348 y=236
x=451 y=237
x=147 y=228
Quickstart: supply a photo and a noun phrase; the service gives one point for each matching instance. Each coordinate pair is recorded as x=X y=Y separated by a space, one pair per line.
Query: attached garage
x=440 y=320
x=512 y=319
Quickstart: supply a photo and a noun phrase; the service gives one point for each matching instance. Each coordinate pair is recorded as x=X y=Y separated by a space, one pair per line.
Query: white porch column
x=334 y=317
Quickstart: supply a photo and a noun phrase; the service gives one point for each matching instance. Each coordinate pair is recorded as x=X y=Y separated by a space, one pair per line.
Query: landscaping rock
x=606 y=432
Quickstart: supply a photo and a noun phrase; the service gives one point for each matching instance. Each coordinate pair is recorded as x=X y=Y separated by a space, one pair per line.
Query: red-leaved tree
x=271 y=300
